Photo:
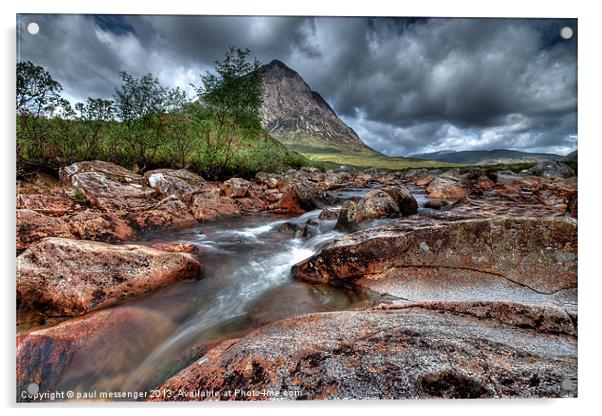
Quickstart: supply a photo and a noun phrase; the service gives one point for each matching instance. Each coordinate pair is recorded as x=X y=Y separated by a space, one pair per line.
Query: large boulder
x=306 y=194
x=551 y=169
x=181 y=183
x=107 y=186
x=539 y=254
x=414 y=352
x=446 y=187
x=348 y=219
x=377 y=204
x=68 y=174
x=403 y=198
x=210 y=206
x=70 y=277
x=236 y=187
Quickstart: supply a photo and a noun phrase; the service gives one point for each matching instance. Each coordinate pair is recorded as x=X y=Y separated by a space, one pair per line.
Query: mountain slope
x=486 y=156
x=301 y=118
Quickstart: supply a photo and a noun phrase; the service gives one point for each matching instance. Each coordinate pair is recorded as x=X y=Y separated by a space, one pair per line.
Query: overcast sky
x=405 y=85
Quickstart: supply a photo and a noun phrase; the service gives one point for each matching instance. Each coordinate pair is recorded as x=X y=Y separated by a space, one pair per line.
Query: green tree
x=141 y=107
x=38 y=95
x=233 y=94
x=36 y=89
x=95 y=116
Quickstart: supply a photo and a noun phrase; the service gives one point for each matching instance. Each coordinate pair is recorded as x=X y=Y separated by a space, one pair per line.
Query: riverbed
x=246 y=283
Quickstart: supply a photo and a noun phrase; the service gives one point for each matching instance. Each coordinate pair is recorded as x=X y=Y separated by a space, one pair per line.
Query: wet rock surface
x=70 y=277
x=414 y=352
x=62 y=352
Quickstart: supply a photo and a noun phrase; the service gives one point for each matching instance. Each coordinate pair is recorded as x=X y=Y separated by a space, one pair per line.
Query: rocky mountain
x=298 y=116
x=486 y=156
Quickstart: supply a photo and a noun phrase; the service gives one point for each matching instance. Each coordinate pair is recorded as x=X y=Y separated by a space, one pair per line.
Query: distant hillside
x=571 y=157
x=481 y=157
x=300 y=117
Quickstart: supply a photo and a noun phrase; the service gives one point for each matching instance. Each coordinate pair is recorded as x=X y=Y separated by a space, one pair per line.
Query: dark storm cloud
x=405 y=85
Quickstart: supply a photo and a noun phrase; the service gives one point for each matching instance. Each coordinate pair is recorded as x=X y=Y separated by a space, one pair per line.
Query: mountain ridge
x=486 y=156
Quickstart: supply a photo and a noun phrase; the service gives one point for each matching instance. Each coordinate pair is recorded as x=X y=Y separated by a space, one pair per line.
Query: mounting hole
x=566 y=33
x=33 y=28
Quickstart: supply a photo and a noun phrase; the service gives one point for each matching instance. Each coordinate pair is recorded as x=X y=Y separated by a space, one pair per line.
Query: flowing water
x=247 y=283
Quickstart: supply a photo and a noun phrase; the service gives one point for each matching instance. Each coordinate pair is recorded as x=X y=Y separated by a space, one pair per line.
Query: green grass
x=361 y=158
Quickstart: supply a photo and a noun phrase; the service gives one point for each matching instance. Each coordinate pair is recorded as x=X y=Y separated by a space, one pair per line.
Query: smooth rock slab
x=394 y=354
x=538 y=253
x=60 y=276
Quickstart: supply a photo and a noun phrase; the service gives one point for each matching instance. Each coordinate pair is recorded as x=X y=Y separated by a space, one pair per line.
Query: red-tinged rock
x=209 y=206
x=416 y=352
x=107 y=186
x=537 y=253
x=110 y=227
x=167 y=213
x=56 y=205
x=485 y=184
x=305 y=193
x=60 y=357
x=236 y=187
x=250 y=205
x=270 y=180
x=446 y=188
x=33 y=226
x=377 y=204
x=508 y=183
x=272 y=195
x=423 y=181
x=288 y=205
x=60 y=276
x=403 y=198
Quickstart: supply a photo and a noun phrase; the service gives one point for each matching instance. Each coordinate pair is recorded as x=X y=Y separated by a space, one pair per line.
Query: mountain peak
x=298 y=116
x=277 y=63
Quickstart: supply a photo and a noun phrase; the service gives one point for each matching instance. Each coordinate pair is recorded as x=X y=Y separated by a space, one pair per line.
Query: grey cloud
x=405 y=85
